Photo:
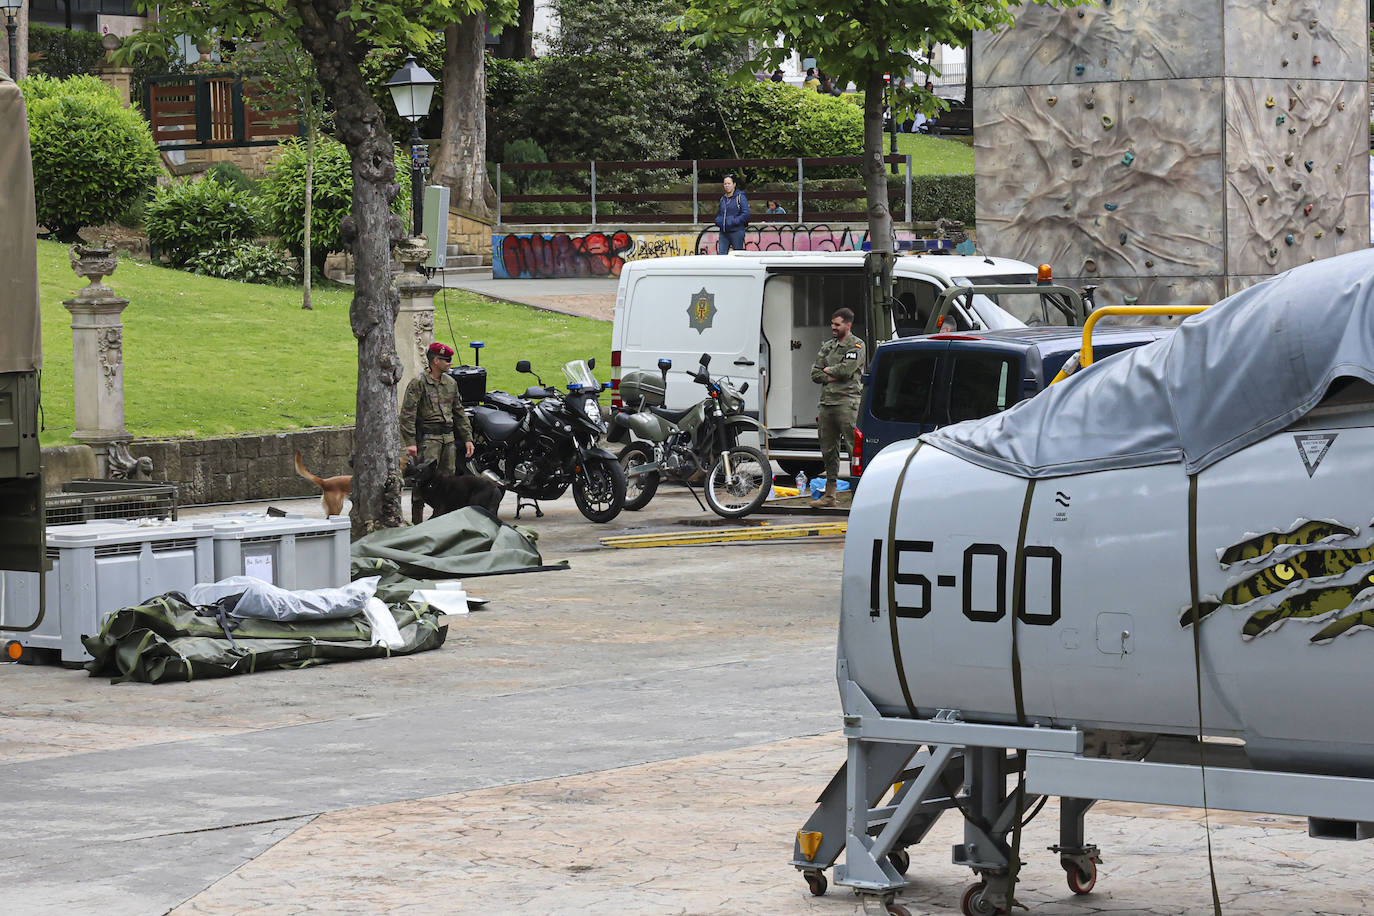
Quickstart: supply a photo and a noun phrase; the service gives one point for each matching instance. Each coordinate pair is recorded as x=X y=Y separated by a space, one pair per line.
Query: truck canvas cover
x=20 y=349
x=1246 y=368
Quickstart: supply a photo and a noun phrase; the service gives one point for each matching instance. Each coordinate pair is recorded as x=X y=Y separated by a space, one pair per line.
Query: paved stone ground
x=589 y=297
x=642 y=734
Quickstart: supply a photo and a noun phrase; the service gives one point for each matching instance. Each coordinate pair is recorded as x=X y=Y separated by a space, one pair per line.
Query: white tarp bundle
x=1243 y=370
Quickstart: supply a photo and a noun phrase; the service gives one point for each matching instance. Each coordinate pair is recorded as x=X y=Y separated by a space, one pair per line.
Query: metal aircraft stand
x=943 y=762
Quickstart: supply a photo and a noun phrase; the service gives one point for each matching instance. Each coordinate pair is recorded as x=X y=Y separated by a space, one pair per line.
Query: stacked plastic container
x=101 y=566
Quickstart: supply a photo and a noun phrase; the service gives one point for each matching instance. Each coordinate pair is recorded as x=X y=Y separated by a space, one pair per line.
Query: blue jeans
x=732 y=239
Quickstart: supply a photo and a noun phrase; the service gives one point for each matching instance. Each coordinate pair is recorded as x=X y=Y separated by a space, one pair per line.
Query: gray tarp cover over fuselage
x=1244 y=369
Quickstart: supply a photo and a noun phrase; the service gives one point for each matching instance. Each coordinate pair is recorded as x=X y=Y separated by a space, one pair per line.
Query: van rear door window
x=902 y=386
x=982 y=384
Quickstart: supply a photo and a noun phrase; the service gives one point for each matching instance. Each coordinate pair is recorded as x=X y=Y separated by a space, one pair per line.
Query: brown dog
x=333 y=490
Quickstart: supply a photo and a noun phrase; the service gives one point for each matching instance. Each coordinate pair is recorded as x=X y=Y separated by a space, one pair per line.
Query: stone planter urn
x=93 y=262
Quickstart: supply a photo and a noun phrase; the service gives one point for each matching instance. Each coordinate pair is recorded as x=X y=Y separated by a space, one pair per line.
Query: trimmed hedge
x=92 y=157
x=60 y=53
x=942 y=197
x=187 y=218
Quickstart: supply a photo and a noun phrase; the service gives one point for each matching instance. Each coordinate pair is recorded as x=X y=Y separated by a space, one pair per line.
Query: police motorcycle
x=698 y=444
x=545 y=440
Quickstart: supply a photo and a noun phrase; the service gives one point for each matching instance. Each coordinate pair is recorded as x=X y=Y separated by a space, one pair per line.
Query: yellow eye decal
x=1284 y=571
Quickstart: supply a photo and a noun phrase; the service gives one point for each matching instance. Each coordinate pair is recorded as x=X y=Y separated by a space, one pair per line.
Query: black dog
x=447 y=492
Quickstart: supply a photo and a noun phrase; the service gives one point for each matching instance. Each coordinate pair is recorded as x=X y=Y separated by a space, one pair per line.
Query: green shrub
x=246 y=262
x=60 y=53
x=282 y=194
x=92 y=157
x=771 y=120
x=231 y=176
x=187 y=217
x=942 y=197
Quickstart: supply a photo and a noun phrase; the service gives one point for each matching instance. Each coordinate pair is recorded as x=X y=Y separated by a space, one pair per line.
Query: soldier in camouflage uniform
x=432 y=417
x=837 y=369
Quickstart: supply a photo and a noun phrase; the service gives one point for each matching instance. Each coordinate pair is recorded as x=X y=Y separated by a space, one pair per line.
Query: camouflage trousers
x=442 y=449
x=836 y=423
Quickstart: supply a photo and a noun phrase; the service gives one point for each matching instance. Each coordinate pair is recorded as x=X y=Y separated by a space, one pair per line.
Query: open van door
x=22 y=540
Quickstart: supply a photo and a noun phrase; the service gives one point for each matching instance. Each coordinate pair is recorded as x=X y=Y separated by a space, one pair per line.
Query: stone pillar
x=98 y=355
x=120 y=79
x=415 y=319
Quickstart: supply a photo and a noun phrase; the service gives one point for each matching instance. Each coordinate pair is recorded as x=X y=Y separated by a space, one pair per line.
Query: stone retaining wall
x=234 y=468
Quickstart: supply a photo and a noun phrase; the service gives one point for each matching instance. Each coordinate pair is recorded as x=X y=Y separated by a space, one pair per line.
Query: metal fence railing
x=669 y=202
x=224 y=110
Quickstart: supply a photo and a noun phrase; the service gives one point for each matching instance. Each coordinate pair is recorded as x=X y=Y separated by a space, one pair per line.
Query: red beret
x=438 y=349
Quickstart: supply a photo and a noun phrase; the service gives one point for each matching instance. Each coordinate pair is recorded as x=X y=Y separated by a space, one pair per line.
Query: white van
x=763 y=316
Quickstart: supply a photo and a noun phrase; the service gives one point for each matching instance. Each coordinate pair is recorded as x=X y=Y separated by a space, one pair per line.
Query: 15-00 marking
x=979 y=615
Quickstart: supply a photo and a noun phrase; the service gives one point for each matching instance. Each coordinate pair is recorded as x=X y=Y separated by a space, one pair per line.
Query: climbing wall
x=1174 y=151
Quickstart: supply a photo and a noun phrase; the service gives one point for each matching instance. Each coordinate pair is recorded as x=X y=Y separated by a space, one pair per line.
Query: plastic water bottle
x=801 y=483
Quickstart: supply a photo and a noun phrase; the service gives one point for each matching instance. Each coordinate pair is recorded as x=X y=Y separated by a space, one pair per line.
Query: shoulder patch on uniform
x=851 y=355
x=859 y=344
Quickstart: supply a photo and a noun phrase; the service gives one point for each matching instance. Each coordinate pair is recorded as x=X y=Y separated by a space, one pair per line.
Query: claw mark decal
x=1263 y=544
x=1293 y=579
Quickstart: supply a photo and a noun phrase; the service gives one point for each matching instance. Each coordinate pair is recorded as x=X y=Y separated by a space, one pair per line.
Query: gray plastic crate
x=99 y=567
x=291 y=551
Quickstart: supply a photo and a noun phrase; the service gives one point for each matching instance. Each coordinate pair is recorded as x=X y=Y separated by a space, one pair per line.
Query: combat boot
x=827 y=501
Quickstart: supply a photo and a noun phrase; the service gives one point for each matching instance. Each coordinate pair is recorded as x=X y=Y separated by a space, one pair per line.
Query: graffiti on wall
x=602 y=254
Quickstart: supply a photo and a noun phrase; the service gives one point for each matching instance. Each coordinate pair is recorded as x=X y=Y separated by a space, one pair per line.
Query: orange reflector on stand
x=14 y=651
x=810 y=843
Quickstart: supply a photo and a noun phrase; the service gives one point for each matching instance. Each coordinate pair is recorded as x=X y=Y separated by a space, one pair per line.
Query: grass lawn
x=207 y=357
x=934 y=155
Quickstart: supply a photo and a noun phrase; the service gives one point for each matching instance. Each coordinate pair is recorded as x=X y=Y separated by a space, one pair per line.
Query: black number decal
x=875 y=575
x=1056 y=564
x=985 y=550
x=902 y=578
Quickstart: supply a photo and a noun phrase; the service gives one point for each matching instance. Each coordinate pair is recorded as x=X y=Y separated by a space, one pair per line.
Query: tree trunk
x=462 y=160
x=309 y=203
x=517 y=39
x=875 y=182
x=370 y=229
x=878 y=262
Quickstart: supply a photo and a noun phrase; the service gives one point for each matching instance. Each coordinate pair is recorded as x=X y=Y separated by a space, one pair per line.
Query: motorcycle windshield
x=580 y=377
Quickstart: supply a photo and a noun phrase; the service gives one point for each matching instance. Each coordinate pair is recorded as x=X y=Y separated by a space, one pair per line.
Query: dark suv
x=916 y=384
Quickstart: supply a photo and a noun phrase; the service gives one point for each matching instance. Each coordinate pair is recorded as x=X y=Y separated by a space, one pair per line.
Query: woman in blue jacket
x=732 y=218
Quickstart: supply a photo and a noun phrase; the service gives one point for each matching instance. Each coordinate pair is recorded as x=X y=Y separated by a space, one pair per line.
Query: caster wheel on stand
x=1080 y=881
x=974 y=903
x=900 y=859
x=817 y=883
x=896 y=909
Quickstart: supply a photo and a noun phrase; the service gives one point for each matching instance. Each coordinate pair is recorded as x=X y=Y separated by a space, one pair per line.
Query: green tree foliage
x=617 y=82
x=92 y=157
x=283 y=197
x=61 y=53
x=186 y=218
x=246 y=262
x=761 y=120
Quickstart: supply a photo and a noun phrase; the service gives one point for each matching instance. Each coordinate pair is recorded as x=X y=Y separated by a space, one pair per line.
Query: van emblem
x=702 y=310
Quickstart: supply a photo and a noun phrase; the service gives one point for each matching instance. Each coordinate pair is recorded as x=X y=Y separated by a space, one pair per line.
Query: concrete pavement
x=642 y=733
x=590 y=297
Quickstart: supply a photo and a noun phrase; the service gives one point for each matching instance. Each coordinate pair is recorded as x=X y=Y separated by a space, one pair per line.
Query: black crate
x=472 y=383
x=86 y=500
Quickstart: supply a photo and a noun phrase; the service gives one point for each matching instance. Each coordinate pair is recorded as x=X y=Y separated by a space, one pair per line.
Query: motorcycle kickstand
x=696 y=497
x=523 y=503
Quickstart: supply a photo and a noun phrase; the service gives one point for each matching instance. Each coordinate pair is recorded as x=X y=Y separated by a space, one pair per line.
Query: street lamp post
x=12 y=8
x=412 y=89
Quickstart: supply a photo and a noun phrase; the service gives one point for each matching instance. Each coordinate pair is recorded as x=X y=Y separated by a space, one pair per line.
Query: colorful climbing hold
x=1288 y=239
x=1316 y=60
x=1292 y=130
x=1107 y=122
x=1122 y=238
x=1149 y=263
x=1269 y=168
x=1288 y=159
x=1263 y=198
x=1269 y=102
x=1130 y=157
x=1052 y=100
x=1296 y=184
x=1078 y=69
x=1307 y=165
x=1109 y=207
x=1280 y=119
x=1340 y=230
x=1307 y=210
x=1318 y=234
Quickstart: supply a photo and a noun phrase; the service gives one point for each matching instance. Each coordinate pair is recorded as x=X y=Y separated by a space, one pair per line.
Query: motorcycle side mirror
x=743 y=388
x=523 y=366
x=591 y=363
x=706 y=359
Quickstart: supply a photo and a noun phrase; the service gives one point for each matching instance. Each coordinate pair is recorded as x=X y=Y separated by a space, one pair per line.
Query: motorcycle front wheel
x=639 y=488
x=738 y=482
x=599 y=490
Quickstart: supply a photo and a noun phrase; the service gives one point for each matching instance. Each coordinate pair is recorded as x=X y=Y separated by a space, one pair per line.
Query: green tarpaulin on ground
x=467 y=543
x=167 y=639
